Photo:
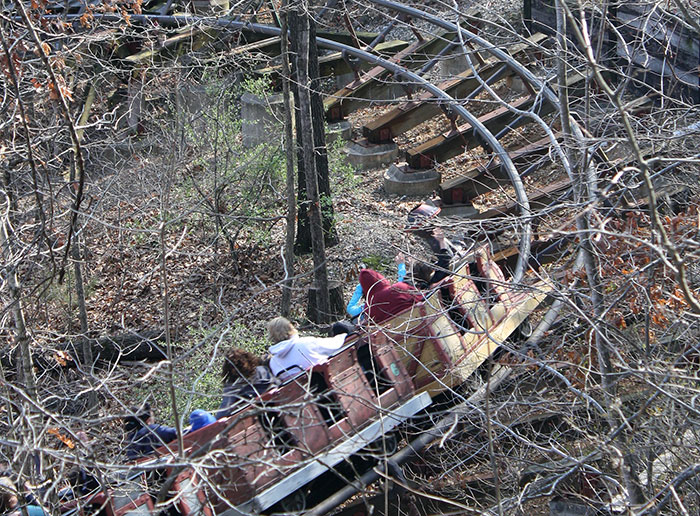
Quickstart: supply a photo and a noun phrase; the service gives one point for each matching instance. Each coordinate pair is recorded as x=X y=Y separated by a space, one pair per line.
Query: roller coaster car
x=269 y=449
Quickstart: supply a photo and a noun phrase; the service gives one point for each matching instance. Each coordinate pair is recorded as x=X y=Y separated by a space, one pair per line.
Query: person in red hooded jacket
x=384 y=299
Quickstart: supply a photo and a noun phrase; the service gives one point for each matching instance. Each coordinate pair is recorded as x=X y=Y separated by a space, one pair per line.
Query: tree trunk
x=303 y=239
x=336 y=300
x=80 y=289
x=21 y=339
x=286 y=303
x=142 y=345
x=305 y=128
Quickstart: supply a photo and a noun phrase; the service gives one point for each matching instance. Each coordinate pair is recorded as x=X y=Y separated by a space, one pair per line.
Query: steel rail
x=487 y=137
x=484 y=44
x=500 y=54
x=513 y=64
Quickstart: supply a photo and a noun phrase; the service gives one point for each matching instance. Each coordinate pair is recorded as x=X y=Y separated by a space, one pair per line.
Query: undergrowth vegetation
x=222 y=193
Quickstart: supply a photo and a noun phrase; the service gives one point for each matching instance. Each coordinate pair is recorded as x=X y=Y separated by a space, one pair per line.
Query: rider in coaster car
x=143 y=434
x=290 y=353
x=245 y=376
x=384 y=299
x=10 y=501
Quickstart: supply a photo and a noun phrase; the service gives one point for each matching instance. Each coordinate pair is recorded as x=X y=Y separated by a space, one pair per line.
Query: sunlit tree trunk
x=318 y=134
x=286 y=303
x=306 y=127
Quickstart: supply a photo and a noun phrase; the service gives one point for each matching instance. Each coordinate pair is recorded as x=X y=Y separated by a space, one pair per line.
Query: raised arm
x=355 y=305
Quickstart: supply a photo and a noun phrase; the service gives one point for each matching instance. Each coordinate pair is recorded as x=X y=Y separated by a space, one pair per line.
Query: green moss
x=378 y=263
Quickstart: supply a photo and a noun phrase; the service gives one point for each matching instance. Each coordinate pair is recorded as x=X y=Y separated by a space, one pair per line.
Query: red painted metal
x=254 y=448
x=186 y=505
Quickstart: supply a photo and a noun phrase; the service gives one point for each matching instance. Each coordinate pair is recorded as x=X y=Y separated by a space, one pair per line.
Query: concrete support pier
x=338 y=130
x=402 y=180
x=363 y=155
x=262 y=119
x=452 y=64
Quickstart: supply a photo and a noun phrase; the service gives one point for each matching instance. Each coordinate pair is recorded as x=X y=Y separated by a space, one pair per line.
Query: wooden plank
x=190 y=35
x=548 y=194
x=450 y=144
x=354 y=95
x=346 y=38
x=266 y=46
x=641 y=33
x=269 y=46
x=663 y=38
x=339 y=37
x=409 y=114
x=334 y=64
x=480 y=180
x=660 y=75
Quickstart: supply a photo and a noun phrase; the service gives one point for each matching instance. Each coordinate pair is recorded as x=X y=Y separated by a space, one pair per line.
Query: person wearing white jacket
x=290 y=354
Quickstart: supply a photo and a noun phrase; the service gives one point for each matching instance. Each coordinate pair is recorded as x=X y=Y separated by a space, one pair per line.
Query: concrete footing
x=402 y=180
x=338 y=130
x=363 y=155
x=452 y=65
x=261 y=118
x=343 y=80
x=516 y=84
x=194 y=98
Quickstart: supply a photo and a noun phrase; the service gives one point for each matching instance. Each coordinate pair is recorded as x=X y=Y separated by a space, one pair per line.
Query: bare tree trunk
x=135 y=102
x=303 y=237
x=286 y=303
x=21 y=342
x=168 y=342
x=21 y=339
x=164 y=206
x=80 y=289
x=312 y=188
x=87 y=355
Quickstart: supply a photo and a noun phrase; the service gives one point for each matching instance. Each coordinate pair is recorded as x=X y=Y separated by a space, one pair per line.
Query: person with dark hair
x=143 y=434
x=245 y=376
x=8 y=495
x=9 y=500
x=420 y=223
x=424 y=275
